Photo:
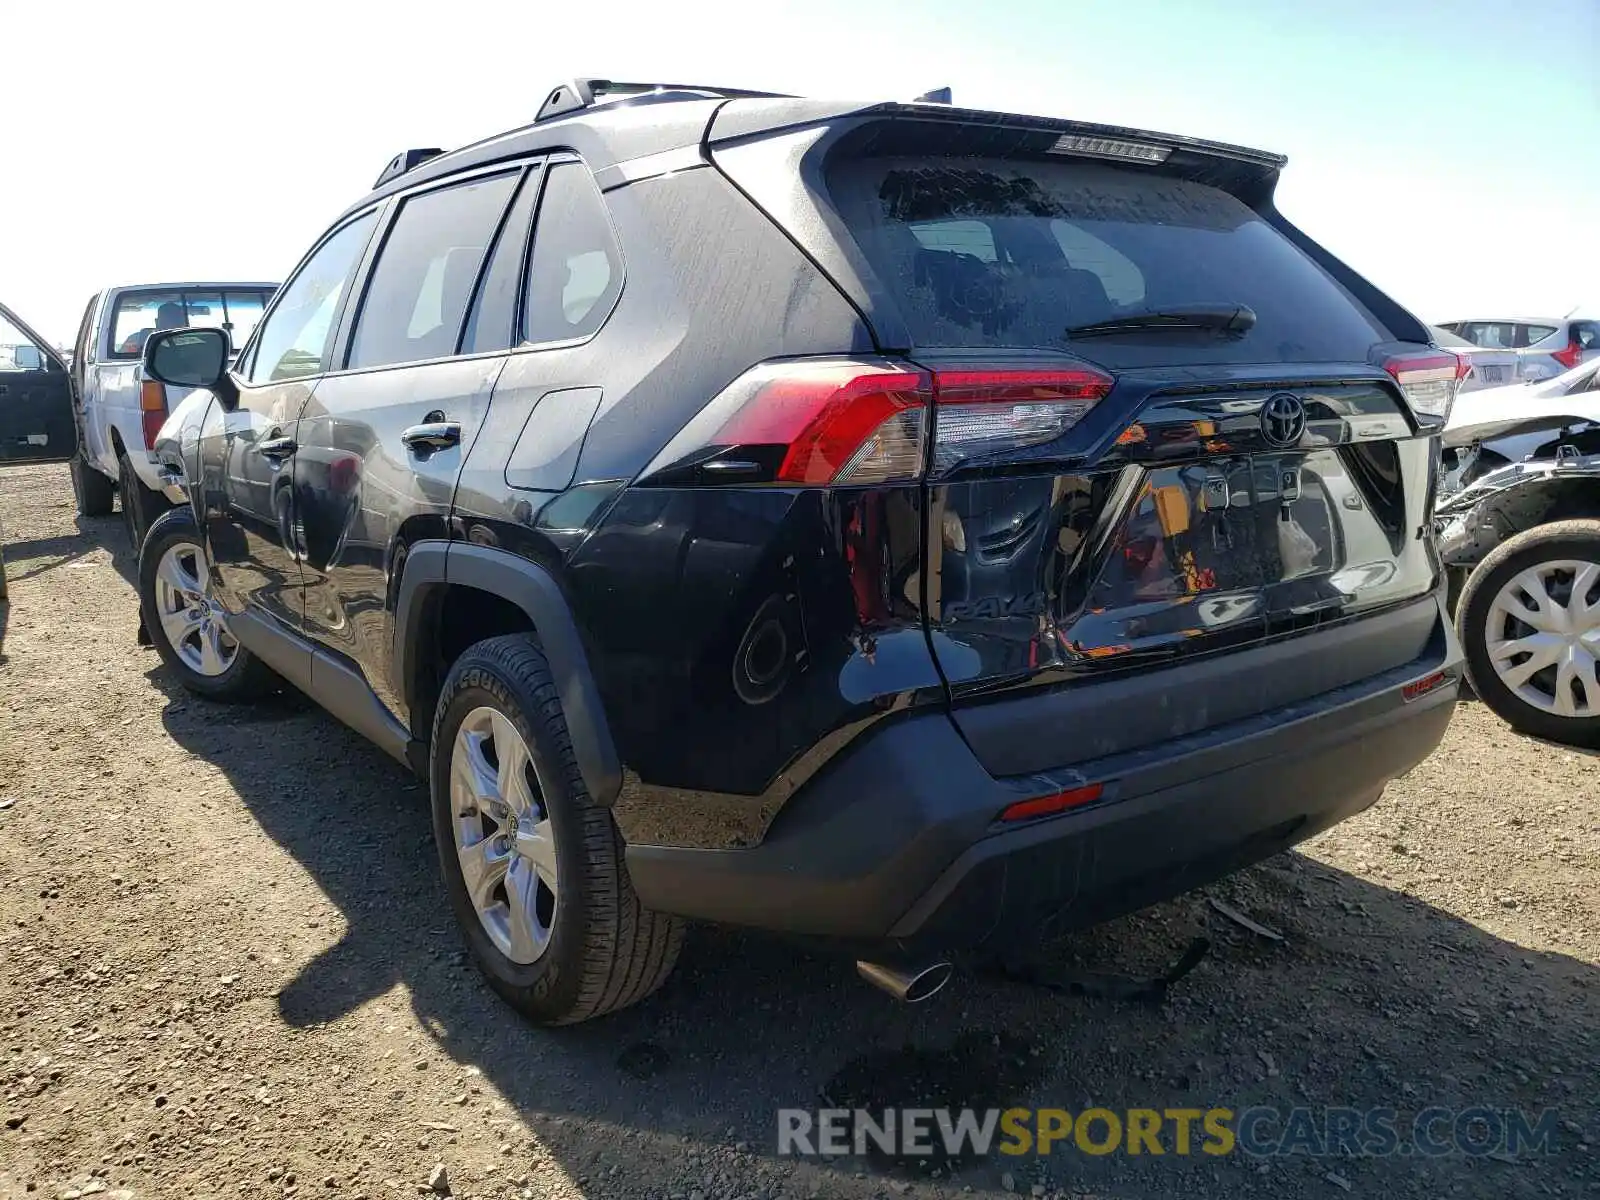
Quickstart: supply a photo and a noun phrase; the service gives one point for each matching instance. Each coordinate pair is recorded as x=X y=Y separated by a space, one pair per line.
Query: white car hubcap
x=1543 y=637
x=504 y=838
x=192 y=621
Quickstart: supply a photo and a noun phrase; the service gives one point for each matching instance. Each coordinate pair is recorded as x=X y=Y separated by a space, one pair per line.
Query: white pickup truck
x=119 y=411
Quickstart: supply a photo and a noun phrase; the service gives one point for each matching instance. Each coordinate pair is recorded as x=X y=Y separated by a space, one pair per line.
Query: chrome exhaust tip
x=912 y=985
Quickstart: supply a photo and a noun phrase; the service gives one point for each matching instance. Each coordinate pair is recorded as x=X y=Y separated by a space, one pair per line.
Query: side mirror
x=187 y=358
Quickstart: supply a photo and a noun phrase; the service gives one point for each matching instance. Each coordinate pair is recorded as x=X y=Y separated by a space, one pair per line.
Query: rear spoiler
x=753 y=117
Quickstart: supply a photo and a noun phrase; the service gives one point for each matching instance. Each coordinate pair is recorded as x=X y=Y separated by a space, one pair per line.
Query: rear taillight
x=829 y=422
x=987 y=412
x=862 y=421
x=152 y=410
x=1429 y=379
x=1571 y=356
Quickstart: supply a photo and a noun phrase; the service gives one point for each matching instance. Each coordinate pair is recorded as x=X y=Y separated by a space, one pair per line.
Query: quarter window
x=575 y=274
x=294 y=338
x=422 y=284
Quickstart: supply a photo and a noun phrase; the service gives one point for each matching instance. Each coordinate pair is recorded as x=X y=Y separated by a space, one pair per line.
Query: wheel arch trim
x=432 y=566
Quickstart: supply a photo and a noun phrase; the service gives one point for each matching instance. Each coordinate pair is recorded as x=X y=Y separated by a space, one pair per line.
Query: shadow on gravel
x=1372 y=998
x=49 y=554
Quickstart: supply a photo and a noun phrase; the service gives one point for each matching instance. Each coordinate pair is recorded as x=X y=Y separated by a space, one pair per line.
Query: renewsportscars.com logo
x=1260 y=1132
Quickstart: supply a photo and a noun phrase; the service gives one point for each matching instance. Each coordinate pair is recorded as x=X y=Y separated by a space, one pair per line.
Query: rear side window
x=419 y=290
x=575 y=274
x=490 y=326
x=1503 y=335
x=1005 y=253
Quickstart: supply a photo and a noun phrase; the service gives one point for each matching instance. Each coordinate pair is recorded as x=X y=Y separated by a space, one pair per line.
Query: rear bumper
x=896 y=843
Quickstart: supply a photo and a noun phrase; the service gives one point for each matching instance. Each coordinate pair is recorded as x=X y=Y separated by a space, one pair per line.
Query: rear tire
x=174 y=542
x=140 y=506
x=559 y=954
x=92 y=490
x=1555 y=560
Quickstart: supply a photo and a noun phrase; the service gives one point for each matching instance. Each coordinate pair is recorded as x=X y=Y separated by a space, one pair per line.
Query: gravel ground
x=228 y=969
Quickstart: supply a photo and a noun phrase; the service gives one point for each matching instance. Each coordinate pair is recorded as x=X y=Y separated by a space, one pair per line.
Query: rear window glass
x=1010 y=254
x=1503 y=335
x=139 y=314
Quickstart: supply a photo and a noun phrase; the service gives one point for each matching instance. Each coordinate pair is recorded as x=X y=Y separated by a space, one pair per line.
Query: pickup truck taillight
x=152 y=410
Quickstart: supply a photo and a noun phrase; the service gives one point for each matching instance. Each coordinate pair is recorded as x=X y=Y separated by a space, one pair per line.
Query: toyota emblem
x=1283 y=419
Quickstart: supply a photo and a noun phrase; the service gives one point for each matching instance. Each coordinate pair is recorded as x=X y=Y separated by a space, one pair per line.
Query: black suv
x=900 y=526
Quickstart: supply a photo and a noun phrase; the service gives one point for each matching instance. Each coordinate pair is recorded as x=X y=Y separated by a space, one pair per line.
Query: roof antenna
x=937 y=96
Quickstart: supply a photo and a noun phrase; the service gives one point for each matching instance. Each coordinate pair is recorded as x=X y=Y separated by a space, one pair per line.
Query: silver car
x=1545 y=346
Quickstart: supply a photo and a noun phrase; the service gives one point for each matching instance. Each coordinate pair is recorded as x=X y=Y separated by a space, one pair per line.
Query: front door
x=381 y=441
x=243 y=492
x=35 y=396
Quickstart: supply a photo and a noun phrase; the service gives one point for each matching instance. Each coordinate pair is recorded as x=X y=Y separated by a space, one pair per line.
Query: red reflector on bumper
x=1423 y=686
x=1041 y=806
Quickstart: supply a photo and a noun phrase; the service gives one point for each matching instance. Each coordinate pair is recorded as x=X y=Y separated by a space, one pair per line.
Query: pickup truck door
x=35 y=396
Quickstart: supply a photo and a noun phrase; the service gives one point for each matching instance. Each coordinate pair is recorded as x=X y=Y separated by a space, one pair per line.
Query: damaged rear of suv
x=910 y=528
x=1148 y=469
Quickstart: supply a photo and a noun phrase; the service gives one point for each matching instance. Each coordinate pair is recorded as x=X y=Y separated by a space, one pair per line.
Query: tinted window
x=996 y=253
x=294 y=337
x=1586 y=334
x=492 y=323
x=575 y=274
x=422 y=284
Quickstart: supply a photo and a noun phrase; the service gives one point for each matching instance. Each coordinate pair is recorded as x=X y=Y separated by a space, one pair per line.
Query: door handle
x=277 y=449
x=432 y=435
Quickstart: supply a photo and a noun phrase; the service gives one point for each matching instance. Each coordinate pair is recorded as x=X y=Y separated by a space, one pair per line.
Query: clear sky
x=1449 y=149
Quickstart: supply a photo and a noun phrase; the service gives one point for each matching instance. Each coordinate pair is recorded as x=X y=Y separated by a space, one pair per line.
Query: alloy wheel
x=503 y=834
x=192 y=621
x=1543 y=637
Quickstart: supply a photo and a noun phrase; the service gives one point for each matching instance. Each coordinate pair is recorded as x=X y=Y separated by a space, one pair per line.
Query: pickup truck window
x=139 y=314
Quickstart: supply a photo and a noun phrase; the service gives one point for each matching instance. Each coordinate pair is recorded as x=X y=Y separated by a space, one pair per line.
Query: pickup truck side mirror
x=191 y=358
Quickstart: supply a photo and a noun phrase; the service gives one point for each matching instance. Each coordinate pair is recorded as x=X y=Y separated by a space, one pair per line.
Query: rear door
x=35 y=396
x=381 y=440
x=1161 y=430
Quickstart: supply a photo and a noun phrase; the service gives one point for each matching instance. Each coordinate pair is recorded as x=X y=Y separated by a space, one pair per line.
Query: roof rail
x=577 y=94
x=405 y=161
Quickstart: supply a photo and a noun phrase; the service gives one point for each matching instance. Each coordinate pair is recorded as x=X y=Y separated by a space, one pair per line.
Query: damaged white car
x=1519 y=530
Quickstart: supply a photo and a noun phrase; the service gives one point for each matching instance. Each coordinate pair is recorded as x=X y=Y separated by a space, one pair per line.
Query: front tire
x=184 y=623
x=1529 y=621
x=532 y=864
x=92 y=491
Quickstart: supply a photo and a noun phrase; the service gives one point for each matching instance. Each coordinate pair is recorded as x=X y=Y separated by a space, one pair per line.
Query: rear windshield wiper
x=1221 y=318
